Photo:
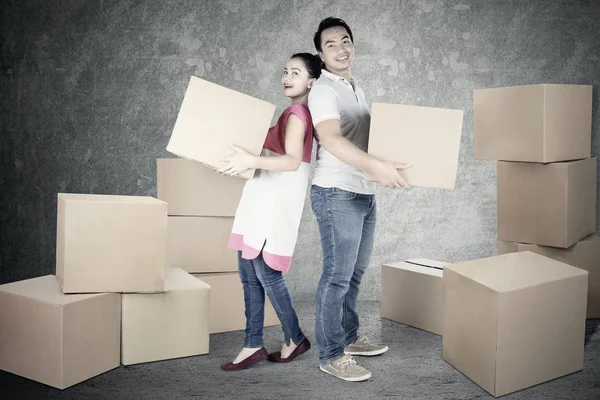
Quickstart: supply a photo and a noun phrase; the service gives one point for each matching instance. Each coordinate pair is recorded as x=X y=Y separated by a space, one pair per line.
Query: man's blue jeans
x=258 y=278
x=347 y=227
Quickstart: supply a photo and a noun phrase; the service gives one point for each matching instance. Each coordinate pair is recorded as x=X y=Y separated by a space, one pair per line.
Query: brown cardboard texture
x=546 y=204
x=55 y=339
x=505 y=247
x=206 y=126
x=412 y=293
x=427 y=138
x=227 y=303
x=199 y=244
x=191 y=189
x=514 y=321
x=160 y=326
x=111 y=243
x=584 y=254
x=534 y=123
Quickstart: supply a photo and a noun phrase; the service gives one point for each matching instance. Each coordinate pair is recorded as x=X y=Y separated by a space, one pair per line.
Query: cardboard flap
x=44 y=288
x=420 y=265
x=424 y=262
x=514 y=271
x=109 y=198
x=178 y=279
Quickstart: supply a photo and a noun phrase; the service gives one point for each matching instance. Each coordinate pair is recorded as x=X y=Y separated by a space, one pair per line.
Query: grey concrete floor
x=411 y=369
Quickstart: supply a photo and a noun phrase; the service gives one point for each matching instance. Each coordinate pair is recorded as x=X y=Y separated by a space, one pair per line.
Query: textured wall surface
x=91 y=89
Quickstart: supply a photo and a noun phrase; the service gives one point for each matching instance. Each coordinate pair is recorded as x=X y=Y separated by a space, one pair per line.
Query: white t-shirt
x=333 y=97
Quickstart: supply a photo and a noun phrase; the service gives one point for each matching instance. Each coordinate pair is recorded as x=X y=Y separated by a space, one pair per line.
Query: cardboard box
x=584 y=254
x=505 y=247
x=111 y=243
x=166 y=325
x=514 y=321
x=191 y=189
x=56 y=339
x=533 y=123
x=546 y=204
x=425 y=137
x=412 y=292
x=227 y=312
x=213 y=117
x=199 y=244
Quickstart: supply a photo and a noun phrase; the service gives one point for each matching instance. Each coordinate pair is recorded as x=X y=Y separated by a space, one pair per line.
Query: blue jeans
x=258 y=278
x=347 y=227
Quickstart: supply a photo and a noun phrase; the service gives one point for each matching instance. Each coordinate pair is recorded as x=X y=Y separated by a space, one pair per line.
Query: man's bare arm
x=328 y=133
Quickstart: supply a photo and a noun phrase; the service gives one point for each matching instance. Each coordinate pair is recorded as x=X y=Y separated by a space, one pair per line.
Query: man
x=343 y=201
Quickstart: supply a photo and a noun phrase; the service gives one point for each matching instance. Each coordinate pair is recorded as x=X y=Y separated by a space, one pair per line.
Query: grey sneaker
x=345 y=368
x=362 y=347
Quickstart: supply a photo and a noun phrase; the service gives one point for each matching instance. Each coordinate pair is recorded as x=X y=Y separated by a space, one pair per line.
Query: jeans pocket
x=317 y=207
x=340 y=194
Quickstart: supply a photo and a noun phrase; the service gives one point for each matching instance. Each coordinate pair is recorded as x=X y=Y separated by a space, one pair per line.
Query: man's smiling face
x=337 y=49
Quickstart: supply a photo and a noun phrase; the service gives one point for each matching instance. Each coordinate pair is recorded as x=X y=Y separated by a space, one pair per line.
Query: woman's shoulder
x=300 y=110
x=297 y=107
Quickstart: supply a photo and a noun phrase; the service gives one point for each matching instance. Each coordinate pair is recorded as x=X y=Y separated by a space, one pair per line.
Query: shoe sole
x=367 y=353
x=357 y=379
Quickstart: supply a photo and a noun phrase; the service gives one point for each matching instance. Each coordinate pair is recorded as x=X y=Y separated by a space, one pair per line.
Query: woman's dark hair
x=330 y=22
x=312 y=63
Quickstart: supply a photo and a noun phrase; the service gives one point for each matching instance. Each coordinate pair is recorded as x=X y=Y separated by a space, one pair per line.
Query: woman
x=267 y=218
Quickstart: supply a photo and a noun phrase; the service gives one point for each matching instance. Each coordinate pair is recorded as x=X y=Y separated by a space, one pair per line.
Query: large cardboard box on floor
x=191 y=189
x=533 y=123
x=199 y=244
x=57 y=339
x=427 y=138
x=160 y=326
x=412 y=293
x=546 y=204
x=213 y=117
x=111 y=243
x=227 y=303
x=514 y=321
x=584 y=254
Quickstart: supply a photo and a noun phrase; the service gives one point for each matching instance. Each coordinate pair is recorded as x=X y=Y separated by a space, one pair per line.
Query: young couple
x=323 y=94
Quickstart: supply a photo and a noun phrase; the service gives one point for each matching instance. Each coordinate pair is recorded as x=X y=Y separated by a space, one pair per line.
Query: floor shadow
x=592 y=326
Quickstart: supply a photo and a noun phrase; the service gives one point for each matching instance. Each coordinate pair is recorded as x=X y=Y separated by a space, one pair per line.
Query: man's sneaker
x=345 y=368
x=362 y=347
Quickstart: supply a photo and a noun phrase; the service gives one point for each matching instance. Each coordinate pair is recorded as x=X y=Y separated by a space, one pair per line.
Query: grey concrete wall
x=91 y=89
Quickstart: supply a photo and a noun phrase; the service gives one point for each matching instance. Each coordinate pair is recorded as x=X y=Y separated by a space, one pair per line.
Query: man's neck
x=344 y=74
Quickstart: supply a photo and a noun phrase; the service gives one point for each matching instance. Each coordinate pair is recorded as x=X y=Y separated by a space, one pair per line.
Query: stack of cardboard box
x=515 y=320
x=201 y=208
x=202 y=203
x=111 y=300
x=114 y=299
x=541 y=137
x=428 y=139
